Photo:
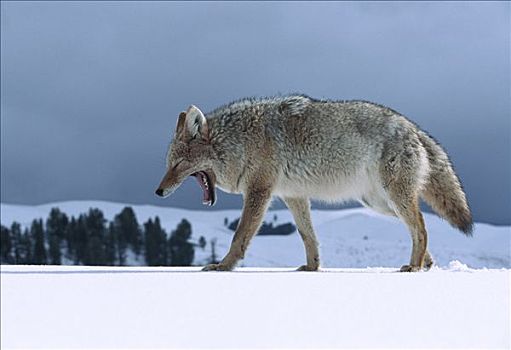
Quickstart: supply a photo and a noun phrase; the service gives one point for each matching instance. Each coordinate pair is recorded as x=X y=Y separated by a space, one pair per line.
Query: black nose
x=159 y=192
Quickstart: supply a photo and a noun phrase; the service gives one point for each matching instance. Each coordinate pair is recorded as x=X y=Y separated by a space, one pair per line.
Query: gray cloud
x=90 y=91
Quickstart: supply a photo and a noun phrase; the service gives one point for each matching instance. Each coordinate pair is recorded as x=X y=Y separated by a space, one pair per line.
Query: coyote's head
x=190 y=155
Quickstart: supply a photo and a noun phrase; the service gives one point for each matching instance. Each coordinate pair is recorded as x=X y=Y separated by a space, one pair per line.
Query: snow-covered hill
x=141 y=307
x=353 y=238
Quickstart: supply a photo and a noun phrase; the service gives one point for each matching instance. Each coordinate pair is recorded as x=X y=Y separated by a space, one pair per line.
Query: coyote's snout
x=299 y=148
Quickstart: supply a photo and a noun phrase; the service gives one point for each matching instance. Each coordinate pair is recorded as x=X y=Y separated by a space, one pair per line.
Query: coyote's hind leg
x=408 y=211
x=300 y=208
x=403 y=167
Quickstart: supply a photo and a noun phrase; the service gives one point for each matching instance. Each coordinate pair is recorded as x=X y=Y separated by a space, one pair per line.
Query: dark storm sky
x=91 y=91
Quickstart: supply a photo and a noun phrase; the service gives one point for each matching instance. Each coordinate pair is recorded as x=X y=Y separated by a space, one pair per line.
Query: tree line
x=267 y=228
x=90 y=239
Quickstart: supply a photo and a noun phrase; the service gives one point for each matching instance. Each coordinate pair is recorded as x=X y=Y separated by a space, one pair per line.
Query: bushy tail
x=443 y=190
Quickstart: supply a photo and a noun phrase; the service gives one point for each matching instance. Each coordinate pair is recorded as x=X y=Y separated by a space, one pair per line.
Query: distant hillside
x=348 y=238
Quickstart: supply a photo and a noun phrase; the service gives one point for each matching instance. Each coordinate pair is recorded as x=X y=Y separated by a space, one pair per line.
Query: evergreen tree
x=6 y=243
x=150 y=245
x=155 y=243
x=162 y=242
x=17 y=240
x=181 y=251
x=81 y=240
x=37 y=234
x=128 y=230
x=26 y=248
x=213 y=258
x=70 y=238
x=202 y=242
x=110 y=247
x=54 y=251
x=95 y=249
x=56 y=229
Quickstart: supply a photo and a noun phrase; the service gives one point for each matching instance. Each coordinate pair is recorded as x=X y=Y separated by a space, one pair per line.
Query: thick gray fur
x=299 y=148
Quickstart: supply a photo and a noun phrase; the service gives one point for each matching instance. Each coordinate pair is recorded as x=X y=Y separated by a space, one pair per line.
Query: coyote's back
x=354 y=149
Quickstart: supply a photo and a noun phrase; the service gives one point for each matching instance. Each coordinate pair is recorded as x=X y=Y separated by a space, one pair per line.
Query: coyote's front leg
x=255 y=203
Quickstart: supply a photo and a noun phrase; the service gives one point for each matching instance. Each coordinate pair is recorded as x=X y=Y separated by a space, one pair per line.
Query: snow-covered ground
x=268 y=304
x=354 y=238
x=121 y=307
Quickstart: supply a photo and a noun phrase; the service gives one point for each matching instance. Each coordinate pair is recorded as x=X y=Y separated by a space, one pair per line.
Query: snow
x=162 y=307
x=357 y=300
x=353 y=238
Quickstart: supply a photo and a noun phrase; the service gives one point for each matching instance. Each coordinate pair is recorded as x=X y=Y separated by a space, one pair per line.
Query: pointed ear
x=180 y=122
x=195 y=122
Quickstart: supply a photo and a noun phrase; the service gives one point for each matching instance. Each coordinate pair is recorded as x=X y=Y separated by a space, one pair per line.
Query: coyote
x=299 y=148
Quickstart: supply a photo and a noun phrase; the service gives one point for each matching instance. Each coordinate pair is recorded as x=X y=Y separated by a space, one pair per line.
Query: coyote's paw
x=409 y=268
x=217 y=267
x=428 y=262
x=308 y=268
x=428 y=265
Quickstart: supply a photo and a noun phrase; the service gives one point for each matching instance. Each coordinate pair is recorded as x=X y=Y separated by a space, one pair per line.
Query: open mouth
x=206 y=182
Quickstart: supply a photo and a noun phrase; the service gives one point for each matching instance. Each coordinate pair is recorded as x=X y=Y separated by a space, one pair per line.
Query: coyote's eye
x=177 y=163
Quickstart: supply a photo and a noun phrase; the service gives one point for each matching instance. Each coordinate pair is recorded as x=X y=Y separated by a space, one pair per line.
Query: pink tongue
x=200 y=179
